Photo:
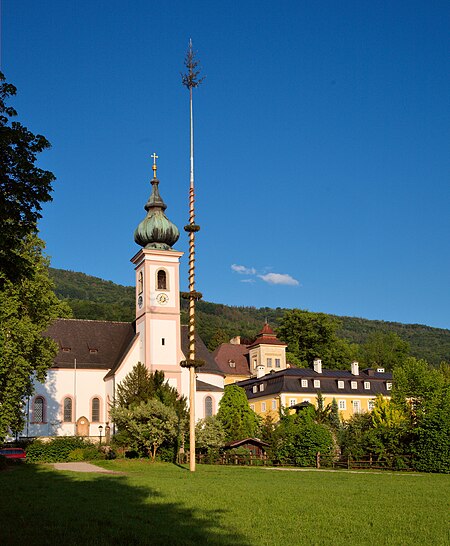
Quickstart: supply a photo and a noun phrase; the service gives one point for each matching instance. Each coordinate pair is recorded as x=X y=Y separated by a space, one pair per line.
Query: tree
x=238 y=419
x=300 y=438
x=313 y=335
x=140 y=385
x=384 y=349
x=219 y=337
x=149 y=425
x=27 y=307
x=210 y=434
x=23 y=187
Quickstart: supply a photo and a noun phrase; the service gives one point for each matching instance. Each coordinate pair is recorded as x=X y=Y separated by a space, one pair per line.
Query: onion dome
x=156 y=230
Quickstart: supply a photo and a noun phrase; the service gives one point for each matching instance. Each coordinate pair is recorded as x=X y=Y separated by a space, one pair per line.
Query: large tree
x=23 y=187
x=384 y=349
x=27 y=307
x=313 y=335
x=238 y=419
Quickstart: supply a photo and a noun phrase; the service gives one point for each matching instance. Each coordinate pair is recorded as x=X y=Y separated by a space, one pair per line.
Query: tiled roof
x=235 y=353
x=201 y=352
x=266 y=337
x=289 y=380
x=94 y=344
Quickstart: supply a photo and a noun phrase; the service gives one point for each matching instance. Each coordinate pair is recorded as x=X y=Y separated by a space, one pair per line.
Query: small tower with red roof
x=267 y=353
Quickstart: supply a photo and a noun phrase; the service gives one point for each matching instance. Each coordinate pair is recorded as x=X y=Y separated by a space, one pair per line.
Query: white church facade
x=95 y=356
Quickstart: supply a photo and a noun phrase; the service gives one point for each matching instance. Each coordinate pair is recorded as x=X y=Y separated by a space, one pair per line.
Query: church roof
x=232 y=359
x=202 y=386
x=94 y=344
x=201 y=352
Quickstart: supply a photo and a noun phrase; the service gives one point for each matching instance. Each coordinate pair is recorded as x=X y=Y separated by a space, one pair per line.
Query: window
x=370 y=404
x=255 y=388
x=342 y=405
x=161 y=280
x=304 y=382
x=340 y=384
x=38 y=410
x=367 y=385
x=274 y=404
x=269 y=362
x=388 y=386
x=67 y=417
x=232 y=363
x=261 y=387
x=317 y=383
x=292 y=402
x=263 y=406
x=254 y=364
x=140 y=283
x=252 y=407
x=277 y=363
x=95 y=410
x=208 y=406
x=163 y=341
x=356 y=406
x=354 y=384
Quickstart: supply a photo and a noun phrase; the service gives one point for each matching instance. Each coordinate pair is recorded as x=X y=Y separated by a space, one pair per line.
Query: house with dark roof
x=355 y=391
x=95 y=356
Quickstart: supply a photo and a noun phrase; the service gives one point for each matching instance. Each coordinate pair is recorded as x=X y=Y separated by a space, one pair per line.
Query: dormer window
x=261 y=387
x=304 y=383
x=367 y=385
x=161 y=280
x=93 y=351
x=66 y=349
x=255 y=388
x=317 y=383
x=340 y=384
x=354 y=384
x=232 y=363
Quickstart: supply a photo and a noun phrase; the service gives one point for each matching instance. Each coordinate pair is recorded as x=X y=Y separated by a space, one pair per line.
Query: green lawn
x=166 y=504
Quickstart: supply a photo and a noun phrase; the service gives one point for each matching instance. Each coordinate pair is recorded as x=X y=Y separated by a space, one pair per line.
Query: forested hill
x=96 y=299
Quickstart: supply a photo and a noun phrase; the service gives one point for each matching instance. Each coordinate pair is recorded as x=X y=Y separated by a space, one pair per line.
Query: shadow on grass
x=42 y=506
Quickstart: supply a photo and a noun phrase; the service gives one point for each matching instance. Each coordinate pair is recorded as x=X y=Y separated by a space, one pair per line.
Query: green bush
x=55 y=451
x=89 y=453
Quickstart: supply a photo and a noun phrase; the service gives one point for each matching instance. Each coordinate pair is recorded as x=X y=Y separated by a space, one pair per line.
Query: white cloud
x=242 y=270
x=279 y=278
x=248 y=280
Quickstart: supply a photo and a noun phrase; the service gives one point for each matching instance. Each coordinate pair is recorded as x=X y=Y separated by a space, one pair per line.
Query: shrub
x=55 y=451
x=88 y=453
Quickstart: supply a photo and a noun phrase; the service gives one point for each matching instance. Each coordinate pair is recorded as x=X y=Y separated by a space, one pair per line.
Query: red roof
x=232 y=359
x=266 y=337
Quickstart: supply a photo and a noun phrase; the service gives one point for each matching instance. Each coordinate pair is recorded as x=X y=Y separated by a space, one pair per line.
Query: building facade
x=95 y=356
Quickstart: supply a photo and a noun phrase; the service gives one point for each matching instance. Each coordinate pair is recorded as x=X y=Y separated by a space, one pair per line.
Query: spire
x=156 y=230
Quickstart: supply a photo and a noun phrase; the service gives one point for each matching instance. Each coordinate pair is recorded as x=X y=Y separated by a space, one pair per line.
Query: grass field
x=165 y=504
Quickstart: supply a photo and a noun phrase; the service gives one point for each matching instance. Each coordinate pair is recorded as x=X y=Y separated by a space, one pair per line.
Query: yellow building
x=355 y=391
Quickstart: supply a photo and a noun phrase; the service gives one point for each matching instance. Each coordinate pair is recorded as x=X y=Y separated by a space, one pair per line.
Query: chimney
x=260 y=370
x=236 y=340
x=317 y=365
x=355 y=368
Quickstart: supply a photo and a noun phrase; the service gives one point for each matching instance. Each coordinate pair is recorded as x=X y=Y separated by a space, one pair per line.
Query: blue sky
x=321 y=144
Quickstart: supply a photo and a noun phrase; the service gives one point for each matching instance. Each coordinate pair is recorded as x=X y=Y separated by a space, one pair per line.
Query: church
x=95 y=356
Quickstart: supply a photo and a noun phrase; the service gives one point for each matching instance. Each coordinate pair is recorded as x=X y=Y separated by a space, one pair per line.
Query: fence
x=397 y=462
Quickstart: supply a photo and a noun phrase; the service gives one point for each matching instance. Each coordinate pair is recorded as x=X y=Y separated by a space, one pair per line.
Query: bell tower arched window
x=140 y=283
x=161 y=280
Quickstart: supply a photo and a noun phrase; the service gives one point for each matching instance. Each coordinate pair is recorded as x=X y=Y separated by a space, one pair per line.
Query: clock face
x=162 y=298
x=140 y=301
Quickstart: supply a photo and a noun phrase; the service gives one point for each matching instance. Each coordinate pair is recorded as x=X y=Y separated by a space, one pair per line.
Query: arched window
x=38 y=410
x=162 y=280
x=95 y=410
x=67 y=417
x=208 y=406
x=140 y=283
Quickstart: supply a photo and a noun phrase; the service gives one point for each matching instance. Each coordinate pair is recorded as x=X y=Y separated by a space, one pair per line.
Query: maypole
x=191 y=80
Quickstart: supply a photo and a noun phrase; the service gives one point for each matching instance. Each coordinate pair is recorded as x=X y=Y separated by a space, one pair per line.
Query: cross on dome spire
x=154 y=167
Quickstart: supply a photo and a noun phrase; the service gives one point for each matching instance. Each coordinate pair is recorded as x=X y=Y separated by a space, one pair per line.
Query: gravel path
x=83 y=467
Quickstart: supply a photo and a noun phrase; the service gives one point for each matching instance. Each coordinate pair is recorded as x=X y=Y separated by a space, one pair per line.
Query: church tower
x=157 y=289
